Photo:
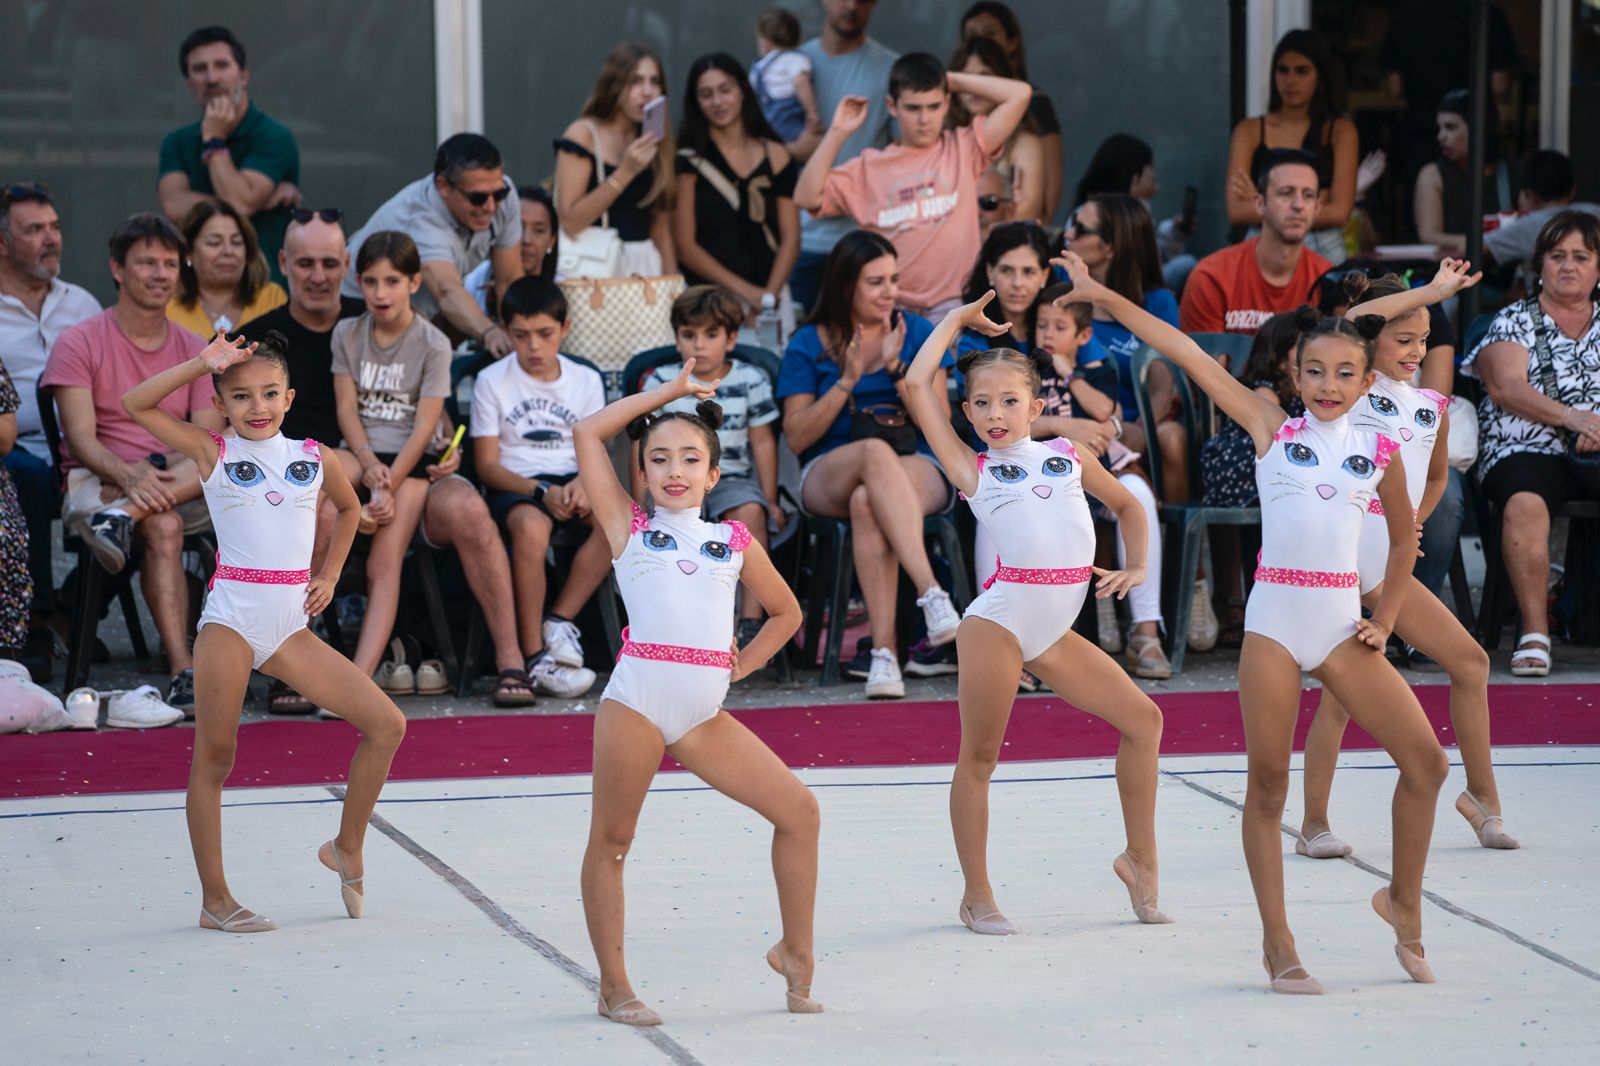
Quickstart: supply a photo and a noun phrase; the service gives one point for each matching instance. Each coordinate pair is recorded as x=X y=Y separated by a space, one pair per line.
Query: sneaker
x=940 y=615
x=83 y=708
x=564 y=643
x=140 y=708
x=396 y=679
x=884 y=682
x=860 y=667
x=746 y=631
x=1203 y=626
x=928 y=661
x=108 y=536
x=1110 y=628
x=554 y=679
x=180 y=693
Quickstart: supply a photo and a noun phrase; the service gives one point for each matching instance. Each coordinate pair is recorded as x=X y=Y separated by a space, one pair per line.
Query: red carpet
x=856 y=734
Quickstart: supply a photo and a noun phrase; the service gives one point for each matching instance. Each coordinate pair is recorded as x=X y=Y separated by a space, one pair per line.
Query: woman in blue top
x=862 y=458
x=1114 y=236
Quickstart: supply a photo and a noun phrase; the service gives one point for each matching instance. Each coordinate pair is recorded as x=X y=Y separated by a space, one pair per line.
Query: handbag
x=597 y=251
x=1583 y=466
x=887 y=422
x=613 y=318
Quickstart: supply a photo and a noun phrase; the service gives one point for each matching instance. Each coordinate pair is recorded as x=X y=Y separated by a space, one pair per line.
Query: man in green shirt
x=236 y=152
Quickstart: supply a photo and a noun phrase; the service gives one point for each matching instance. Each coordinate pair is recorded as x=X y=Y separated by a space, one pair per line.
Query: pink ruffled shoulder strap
x=1064 y=446
x=312 y=448
x=738 y=535
x=983 y=458
x=222 y=445
x=641 y=521
x=1385 y=450
x=1290 y=427
x=1438 y=400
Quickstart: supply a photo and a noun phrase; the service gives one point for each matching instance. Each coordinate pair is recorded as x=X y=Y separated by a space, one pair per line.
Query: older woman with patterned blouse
x=1540 y=366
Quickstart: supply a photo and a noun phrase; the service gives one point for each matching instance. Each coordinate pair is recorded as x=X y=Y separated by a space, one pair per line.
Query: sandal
x=281 y=699
x=1146 y=659
x=1535 y=659
x=513 y=689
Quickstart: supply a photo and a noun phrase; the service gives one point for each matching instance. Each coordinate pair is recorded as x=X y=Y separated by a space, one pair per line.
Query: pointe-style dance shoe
x=1285 y=985
x=1144 y=903
x=629 y=1012
x=355 y=904
x=1415 y=966
x=798 y=997
x=992 y=923
x=1321 y=846
x=233 y=923
x=1491 y=828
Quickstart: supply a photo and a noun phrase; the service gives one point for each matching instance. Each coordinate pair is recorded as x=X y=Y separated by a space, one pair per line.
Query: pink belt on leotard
x=675 y=653
x=1308 y=579
x=259 y=577
x=1375 y=506
x=1018 y=575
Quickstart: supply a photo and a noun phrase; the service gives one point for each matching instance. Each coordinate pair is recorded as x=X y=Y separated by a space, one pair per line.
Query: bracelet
x=364 y=448
x=211 y=146
x=842 y=387
x=490 y=328
x=898 y=373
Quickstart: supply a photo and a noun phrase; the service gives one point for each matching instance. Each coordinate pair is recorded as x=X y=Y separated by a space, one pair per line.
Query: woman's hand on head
x=222 y=353
x=971 y=316
x=685 y=385
x=1454 y=276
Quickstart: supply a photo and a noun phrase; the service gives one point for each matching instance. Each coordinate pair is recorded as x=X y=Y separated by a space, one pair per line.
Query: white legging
x=1144 y=601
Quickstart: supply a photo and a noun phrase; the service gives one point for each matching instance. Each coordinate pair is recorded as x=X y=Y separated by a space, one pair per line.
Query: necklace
x=220 y=321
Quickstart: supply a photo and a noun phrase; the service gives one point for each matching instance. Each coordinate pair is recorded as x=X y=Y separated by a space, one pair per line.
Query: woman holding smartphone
x=614 y=162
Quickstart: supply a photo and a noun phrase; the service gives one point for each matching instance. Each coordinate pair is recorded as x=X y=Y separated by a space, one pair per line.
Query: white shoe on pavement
x=884 y=681
x=554 y=679
x=564 y=643
x=140 y=708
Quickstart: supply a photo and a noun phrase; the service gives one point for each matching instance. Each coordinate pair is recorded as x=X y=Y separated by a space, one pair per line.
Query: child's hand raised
x=685 y=385
x=971 y=316
x=222 y=353
x=1453 y=277
x=1084 y=288
x=851 y=114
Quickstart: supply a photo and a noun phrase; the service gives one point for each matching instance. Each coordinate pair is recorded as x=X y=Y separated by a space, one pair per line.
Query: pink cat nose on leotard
x=274 y=498
x=1405 y=434
x=687 y=567
x=1042 y=491
x=1326 y=491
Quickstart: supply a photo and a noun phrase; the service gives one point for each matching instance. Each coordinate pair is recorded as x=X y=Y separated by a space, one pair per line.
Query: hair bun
x=709 y=412
x=1043 y=364
x=636 y=428
x=1355 y=284
x=1369 y=326
x=273 y=339
x=1307 y=318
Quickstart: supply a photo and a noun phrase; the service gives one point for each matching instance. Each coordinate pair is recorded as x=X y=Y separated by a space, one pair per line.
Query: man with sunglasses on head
x=235 y=152
x=462 y=214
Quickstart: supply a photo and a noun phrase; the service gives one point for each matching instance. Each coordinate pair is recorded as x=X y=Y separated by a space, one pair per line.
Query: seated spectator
x=997 y=22
x=1021 y=159
x=1548 y=186
x=16 y=584
x=541 y=244
x=1125 y=164
x=1238 y=288
x=1015 y=262
x=1538 y=364
x=235 y=153
x=35 y=307
x=635 y=199
x=1302 y=113
x=125 y=493
x=920 y=192
x=523 y=411
x=391 y=374
x=1228 y=458
x=862 y=458
x=1442 y=197
x=705 y=320
x=994 y=202
x=462 y=214
x=781 y=78
x=734 y=223
x=224 y=280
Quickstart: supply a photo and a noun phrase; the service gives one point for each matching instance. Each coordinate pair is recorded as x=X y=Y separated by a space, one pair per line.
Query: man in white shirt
x=1548 y=185
x=35 y=307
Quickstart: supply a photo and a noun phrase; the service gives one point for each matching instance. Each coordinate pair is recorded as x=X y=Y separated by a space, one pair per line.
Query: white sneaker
x=940 y=615
x=83 y=708
x=554 y=679
x=1202 y=619
x=140 y=708
x=884 y=681
x=564 y=643
x=1110 y=629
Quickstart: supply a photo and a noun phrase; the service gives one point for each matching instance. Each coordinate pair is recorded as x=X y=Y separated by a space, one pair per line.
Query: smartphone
x=1191 y=208
x=655 y=118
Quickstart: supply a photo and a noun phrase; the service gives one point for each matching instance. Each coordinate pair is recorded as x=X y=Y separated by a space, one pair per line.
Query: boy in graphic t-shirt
x=921 y=191
x=523 y=411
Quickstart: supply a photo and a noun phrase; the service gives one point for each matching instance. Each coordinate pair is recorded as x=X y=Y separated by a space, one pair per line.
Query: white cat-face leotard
x=678 y=575
x=1316 y=483
x=1411 y=416
x=262 y=495
x=1030 y=500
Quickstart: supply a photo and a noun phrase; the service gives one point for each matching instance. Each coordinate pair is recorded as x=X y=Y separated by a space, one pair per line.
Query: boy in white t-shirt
x=782 y=76
x=523 y=411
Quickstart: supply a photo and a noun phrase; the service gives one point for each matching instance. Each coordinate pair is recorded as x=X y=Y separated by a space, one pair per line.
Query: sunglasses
x=16 y=194
x=1081 y=230
x=478 y=199
x=888 y=415
x=303 y=215
x=992 y=202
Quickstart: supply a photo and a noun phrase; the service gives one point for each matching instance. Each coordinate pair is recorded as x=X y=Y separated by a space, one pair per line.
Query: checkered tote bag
x=614 y=318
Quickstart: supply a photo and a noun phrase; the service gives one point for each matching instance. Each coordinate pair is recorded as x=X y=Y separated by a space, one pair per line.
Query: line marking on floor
x=1432 y=897
x=498 y=915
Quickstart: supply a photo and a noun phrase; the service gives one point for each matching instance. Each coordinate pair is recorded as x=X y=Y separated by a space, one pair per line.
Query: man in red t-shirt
x=1240 y=287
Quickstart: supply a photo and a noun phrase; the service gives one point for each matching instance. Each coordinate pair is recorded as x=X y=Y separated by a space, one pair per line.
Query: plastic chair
x=1188 y=521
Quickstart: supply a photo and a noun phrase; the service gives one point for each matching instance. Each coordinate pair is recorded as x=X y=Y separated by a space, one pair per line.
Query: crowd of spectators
x=855 y=193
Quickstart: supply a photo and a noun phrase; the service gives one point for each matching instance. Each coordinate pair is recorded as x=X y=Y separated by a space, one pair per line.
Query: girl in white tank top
x=262 y=491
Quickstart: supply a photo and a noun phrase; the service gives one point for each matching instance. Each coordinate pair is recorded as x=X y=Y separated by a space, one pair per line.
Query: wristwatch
x=539 y=489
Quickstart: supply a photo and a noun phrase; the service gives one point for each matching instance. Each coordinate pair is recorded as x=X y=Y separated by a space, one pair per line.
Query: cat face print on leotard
x=1007 y=484
x=247 y=484
x=668 y=551
x=1382 y=413
x=1307 y=471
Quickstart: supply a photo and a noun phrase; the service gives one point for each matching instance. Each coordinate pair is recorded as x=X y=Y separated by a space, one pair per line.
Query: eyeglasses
x=1081 y=230
x=478 y=199
x=992 y=202
x=16 y=194
x=303 y=215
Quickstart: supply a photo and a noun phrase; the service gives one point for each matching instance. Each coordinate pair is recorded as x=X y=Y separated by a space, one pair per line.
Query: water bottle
x=769 y=325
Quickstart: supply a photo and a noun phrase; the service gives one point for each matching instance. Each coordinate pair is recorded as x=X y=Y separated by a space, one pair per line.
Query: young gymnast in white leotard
x=1029 y=496
x=1417 y=419
x=261 y=490
x=678 y=575
x=1317 y=475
